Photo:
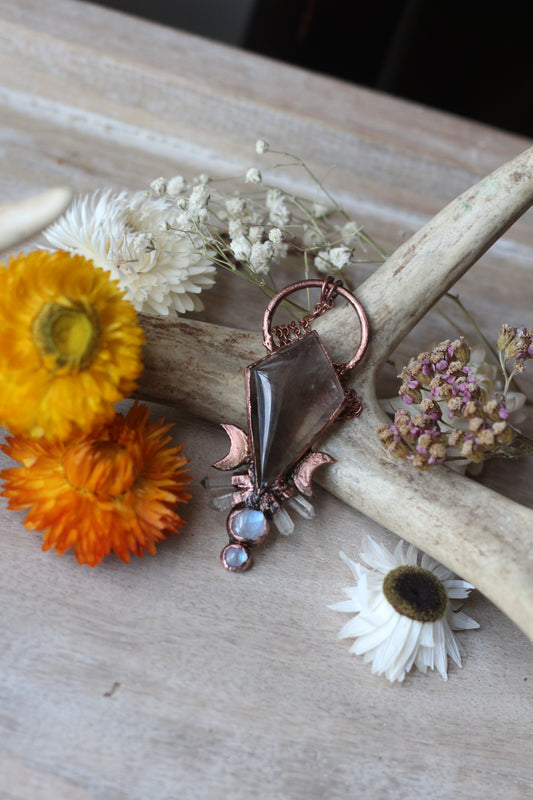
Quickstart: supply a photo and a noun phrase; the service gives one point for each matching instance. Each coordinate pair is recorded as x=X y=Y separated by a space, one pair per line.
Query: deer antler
x=25 y=218
x=479 y=534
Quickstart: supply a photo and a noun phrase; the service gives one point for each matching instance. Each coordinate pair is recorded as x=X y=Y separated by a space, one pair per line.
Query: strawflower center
x=416 y=593
x=70 y=333
x=104 y=468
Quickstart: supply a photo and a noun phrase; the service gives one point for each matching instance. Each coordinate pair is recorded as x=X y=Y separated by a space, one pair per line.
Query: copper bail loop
x=330 y=288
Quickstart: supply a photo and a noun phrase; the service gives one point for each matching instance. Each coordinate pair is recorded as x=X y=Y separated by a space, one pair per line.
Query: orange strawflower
x=114 y=489
x=70 y=345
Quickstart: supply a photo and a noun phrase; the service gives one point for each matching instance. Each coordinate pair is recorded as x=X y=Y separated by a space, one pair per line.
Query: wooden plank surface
x=169 y=678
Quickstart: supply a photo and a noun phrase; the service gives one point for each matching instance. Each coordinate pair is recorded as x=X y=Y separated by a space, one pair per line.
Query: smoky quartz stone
x=294 y=393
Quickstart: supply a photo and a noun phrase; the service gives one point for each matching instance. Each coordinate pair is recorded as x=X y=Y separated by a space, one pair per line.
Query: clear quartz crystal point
x=282 y=521
x=217 y=482
x=304 y=508
x=221 y=502
x=294 y=393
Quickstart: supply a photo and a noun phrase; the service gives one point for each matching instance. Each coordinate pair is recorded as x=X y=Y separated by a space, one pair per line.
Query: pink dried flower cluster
x=516 y=344
x=455 y=416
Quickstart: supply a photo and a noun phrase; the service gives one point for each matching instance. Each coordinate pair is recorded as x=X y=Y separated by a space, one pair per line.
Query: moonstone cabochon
x=293 y=394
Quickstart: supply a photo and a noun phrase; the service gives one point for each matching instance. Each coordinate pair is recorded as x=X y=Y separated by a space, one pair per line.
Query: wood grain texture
x=170 y=678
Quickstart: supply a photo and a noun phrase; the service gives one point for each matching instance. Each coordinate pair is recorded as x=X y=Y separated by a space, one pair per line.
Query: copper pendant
x=293 y=395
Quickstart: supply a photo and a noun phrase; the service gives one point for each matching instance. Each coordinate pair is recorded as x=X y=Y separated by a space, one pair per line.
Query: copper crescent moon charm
x=238 y=451
x=303 y=474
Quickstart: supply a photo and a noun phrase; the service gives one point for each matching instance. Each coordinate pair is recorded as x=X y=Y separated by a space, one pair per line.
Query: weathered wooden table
x=170 y=678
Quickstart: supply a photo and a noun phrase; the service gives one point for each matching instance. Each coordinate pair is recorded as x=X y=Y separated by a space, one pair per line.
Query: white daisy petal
x=411 y=557
x=395 y=650
x=453 y=648
x=439 y=570
x=425 y=659
x=407 y=655
x=375 y=637
x=344 y=605
x=377 y=556
x=355 y=568
x=426 y=636
x=459 y=621
x=457 y=589
x=359 y=627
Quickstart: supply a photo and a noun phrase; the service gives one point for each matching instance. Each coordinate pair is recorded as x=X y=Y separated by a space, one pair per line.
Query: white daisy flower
x=404 y=612
x=159 y=269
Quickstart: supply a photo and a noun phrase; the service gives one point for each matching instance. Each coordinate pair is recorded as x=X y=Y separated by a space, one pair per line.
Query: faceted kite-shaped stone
x=294 y=393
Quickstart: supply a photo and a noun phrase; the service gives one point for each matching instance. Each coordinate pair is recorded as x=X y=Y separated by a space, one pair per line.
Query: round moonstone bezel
x=237 y=534
x=232 y=567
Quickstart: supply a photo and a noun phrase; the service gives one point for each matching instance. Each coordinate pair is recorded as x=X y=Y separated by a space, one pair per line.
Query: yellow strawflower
x=70 y=345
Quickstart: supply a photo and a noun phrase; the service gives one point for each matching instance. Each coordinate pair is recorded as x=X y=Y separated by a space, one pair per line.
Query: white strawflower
x=404 y=613
x=253 y=176
x=261 y=147
x=124 y=234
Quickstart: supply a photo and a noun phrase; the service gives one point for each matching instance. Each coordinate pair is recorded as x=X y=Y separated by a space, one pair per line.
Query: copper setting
x=293 y=394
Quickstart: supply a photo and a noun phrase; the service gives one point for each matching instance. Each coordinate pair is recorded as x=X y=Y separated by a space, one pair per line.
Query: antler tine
x=417 y=275
x=419 y=272
x=25 y=218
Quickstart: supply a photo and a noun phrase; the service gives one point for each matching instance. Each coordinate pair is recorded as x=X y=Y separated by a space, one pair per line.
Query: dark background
x=471 y=58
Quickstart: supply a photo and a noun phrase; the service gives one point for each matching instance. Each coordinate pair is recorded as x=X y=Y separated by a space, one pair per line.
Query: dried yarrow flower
x=514 y=344
x=456 y=410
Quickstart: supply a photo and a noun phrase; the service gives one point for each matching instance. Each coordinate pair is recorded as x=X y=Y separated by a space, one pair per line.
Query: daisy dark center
x=415 y=593
x=70 y=332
